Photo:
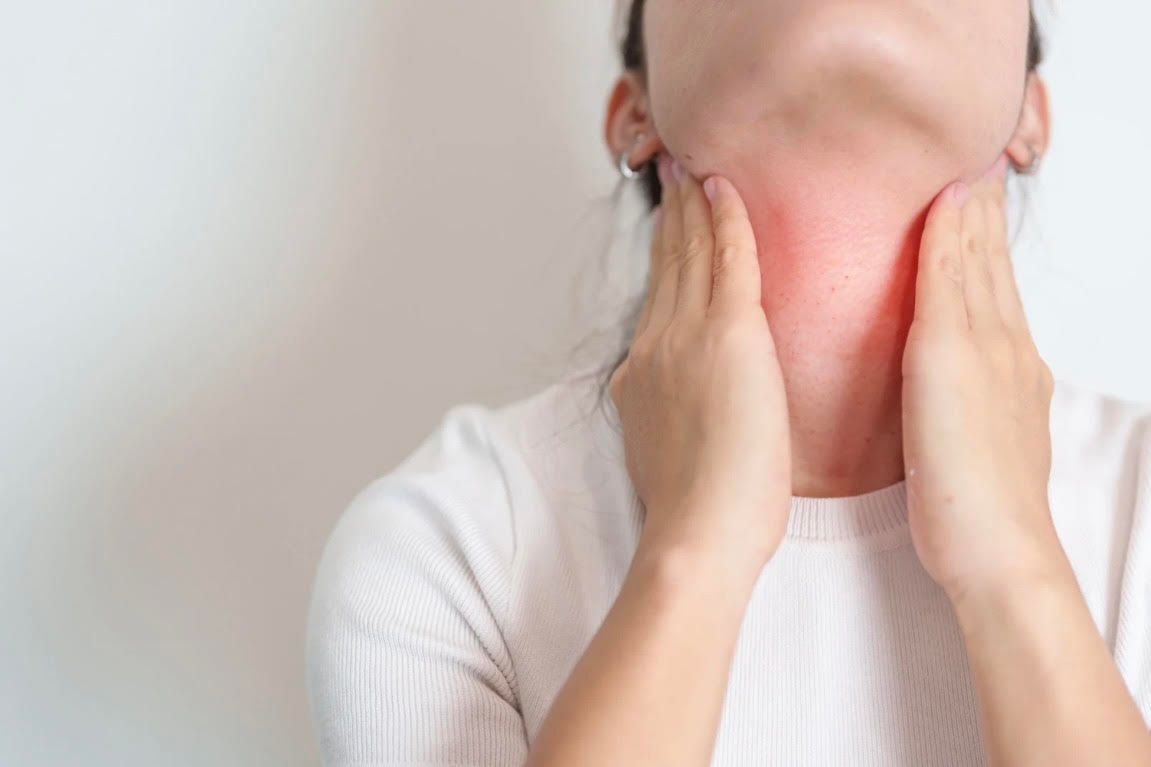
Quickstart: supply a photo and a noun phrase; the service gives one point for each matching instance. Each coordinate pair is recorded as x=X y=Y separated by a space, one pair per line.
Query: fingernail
x=663 y=168
x=677 y=171
x=710 y=187
x=960 y=192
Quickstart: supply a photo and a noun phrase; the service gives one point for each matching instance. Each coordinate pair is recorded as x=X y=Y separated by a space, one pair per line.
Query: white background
x=251 y=251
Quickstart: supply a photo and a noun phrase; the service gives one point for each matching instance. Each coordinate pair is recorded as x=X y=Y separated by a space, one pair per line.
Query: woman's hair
x=634 y=59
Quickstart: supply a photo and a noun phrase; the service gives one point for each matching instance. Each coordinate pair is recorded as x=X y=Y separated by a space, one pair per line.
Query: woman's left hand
x=976 y=398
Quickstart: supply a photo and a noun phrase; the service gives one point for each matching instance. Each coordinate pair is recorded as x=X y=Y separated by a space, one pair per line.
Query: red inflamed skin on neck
x=838 y=265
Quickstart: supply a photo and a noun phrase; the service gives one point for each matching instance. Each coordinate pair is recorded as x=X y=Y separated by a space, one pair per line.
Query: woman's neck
x=838 y=251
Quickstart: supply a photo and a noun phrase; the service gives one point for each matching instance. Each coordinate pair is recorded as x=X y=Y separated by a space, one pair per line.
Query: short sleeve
x=406 y=659
x=1133 y=643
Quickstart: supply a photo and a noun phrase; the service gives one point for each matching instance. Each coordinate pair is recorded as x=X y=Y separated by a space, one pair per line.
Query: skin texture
x=838 y=122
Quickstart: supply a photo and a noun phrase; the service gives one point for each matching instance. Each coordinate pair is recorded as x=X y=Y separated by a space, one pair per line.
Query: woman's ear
x=1033 y=133
x=628 y=125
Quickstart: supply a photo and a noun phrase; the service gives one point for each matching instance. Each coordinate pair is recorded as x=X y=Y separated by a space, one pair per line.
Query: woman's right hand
x=701 y=395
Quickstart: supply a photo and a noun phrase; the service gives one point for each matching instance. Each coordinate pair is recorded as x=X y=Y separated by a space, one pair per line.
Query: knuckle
x=729 y=221
x=672 y=254
x=697 y=244
x=972 y=243
x=721 y=218
x=950 y=266
x=726 y=255
x=986 y=281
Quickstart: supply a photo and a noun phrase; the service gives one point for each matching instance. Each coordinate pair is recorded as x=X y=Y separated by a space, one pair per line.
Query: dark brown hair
x=634 y=58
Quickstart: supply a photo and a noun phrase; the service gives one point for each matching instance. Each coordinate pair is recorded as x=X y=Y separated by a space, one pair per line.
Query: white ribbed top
x=880 y=515
x=458 y=591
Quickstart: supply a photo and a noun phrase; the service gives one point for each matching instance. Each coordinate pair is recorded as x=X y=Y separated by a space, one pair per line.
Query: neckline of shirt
x=878 y=514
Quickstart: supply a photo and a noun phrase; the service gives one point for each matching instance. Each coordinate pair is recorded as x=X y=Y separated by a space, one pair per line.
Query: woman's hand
x=705 y=429
x=976 y=398
x=701 y=395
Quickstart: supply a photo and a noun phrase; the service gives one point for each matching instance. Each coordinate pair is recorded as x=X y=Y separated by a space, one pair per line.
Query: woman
x=835 y=509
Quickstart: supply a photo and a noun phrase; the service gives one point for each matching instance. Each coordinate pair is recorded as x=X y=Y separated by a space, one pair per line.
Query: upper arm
x=406 y=659
x=1133 y=642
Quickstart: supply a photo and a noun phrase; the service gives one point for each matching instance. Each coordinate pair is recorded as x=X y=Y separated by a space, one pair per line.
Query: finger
x=698 y=245
x=656 y=254
x=735 y=268
x=939 y=282
x=978 y=293
x=1002 y=270
x=671 y=242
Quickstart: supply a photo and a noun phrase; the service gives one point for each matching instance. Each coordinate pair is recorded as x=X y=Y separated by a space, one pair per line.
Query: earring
x=625 y=168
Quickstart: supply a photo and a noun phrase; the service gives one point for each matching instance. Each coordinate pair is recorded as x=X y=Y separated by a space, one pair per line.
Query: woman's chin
x=843 y=85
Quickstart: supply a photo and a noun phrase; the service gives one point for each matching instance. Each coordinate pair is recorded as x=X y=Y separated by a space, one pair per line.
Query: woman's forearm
x=1048 y=689
x=650 y=687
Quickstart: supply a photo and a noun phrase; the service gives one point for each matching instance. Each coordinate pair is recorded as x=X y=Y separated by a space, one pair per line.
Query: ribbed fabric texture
x=458 y=591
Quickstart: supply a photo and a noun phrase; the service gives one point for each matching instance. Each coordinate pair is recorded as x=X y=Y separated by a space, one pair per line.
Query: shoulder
x=1100 y=491
x=408 y=623
x=1096 y=432
x=453 y=502
x=1101 y=506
